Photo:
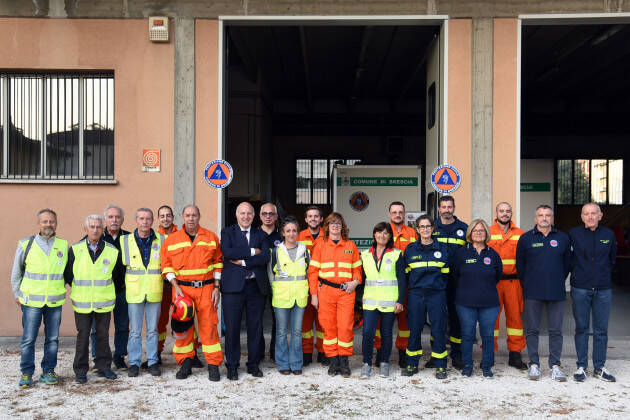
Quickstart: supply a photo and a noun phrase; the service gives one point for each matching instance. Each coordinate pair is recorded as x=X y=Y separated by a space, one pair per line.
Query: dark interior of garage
x=301 y=98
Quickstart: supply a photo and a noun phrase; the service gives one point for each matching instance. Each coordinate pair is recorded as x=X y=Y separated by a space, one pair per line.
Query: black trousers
x=103 y=359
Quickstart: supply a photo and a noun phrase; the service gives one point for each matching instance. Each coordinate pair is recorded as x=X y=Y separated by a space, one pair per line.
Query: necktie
x=250 y=273
x=244 y=232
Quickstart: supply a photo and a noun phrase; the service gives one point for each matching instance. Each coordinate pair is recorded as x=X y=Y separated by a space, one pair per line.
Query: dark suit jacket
x=234 y=247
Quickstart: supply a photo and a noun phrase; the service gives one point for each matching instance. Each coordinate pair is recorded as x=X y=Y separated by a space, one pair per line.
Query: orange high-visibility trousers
x=308 y=335
x=207 y=320
x=336 y=315
x=511 y=298
x=165 y=314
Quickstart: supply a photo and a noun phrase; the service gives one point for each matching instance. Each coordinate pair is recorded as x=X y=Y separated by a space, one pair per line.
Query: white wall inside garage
x=535 y=170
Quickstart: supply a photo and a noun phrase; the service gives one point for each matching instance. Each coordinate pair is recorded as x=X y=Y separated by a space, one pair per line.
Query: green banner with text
x=535 y=186
x=377 y=181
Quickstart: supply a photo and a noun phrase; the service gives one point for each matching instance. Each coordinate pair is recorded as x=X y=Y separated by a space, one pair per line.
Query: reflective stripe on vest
x=42 y=282
x=381 y=287
x=289 y=284
x=93 y=288
x=142 y=282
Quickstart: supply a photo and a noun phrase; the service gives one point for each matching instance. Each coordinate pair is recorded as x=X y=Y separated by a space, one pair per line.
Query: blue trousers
x=31 y=321
x=433 y=303
x=468 y=318
x=289 y=356
x=595 y=302
x=151 y=312
x=370 y=319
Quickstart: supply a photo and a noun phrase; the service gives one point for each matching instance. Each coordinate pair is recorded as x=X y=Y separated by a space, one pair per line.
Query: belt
x=509 y=277
x=341 y=286
x=195 y=284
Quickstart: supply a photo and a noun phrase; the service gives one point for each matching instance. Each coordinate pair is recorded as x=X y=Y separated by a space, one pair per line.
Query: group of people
x=446 y=272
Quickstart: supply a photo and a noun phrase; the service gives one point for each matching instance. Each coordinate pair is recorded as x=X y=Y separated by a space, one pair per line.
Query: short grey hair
x=42 y=211
x=94 y=217
x=194 y=206
x=275 y=209
x=113 y=206
x=144 y=209
x=544 y=207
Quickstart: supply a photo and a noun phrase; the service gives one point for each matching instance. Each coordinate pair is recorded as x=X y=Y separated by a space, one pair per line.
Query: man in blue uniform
x=543 y=255
x=594 y=254
x=452 y=232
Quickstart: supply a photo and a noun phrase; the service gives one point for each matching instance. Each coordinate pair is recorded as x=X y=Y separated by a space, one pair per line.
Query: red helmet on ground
x=183 y=308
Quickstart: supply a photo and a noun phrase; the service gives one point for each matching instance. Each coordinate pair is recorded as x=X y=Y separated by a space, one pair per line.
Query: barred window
x=56 y=126
x=313 y=179
x=580 y=181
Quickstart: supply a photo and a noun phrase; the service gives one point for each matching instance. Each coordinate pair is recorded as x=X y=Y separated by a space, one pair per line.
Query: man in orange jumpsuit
x=333 y=275
x=192 y=263
x=403 y=236
x=309 y=237
x=504 y=236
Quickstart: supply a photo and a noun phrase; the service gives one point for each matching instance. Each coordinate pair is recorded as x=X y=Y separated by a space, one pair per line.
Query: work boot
x=516 y=361
x=213 y=373
x=155 y=370
x=133 y=371
x=402 y=359
x=119 y=361
x=185 y=370
x=440 y=373
x=344 y=366
x=377 y=362
x=196 y=363
x=307 y=359
x=321 y=358
x=457 y=364
x=430 y=364
x=409 y=371
x=145 y=364
x=333 y=369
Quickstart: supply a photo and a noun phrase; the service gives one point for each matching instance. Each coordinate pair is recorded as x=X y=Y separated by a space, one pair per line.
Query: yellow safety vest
x=42 y=283
x=289 y=284
x=92 y=287
x=381 y=287
x=142 y=282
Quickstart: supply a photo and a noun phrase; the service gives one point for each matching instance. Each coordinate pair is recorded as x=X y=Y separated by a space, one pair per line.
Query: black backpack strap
x=28 y=246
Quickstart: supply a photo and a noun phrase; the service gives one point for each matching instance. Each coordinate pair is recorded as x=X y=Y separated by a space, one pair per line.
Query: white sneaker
x=579 y=375
x=557 y=374
x=604 y=375
x=366 y=370
x=384 y=370
x=534 y=372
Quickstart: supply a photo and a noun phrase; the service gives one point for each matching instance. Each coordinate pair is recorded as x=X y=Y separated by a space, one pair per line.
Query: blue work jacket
x=594 y=255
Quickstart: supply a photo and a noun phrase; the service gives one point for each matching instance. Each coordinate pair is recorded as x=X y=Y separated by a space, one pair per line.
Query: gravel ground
x=314 y=394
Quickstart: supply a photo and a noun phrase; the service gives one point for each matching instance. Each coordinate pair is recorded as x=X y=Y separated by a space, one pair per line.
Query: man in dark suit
x=244 y=286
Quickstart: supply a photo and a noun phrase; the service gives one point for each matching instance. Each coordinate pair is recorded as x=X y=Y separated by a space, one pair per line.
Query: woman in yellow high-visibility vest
x=289 y=285
x=383 y=295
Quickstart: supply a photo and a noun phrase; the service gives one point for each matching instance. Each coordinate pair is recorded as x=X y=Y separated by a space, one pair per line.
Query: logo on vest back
x=487 y=261
x=553 y=243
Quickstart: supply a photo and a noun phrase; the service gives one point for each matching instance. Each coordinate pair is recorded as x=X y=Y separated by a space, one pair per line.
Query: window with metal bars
x=579 y=181
x=313 y=180
x=56 y=126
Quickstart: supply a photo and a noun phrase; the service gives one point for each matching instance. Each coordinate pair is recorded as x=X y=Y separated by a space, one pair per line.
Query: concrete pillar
x=184 y=136
x=482 y=76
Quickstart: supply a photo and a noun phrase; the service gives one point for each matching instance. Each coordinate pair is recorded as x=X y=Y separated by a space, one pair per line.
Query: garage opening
x=575 y=135
x=301 y=99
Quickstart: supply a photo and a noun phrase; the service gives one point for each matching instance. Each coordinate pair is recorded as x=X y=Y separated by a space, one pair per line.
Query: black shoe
x=196 y=363
x=321 y=358
x=285 y=372
x=145 y=364
x=402 y=359
x=107 y=373
x=185 y=370
x=232 y=374
x=255 y=371
x=377 y=362
x=516 y=361
x=409 y=371
x=155 y=370
x=457 y=364
x=333 y=369
x=119 y=362
x=307 y=359
x=430 y=364
x=213 y=373
x=441 y=373
x=81 y=378
x=344 y=366
x=297 y=372
x=133 y=371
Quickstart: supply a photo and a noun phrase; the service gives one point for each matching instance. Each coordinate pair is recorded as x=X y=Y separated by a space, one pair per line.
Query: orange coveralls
x=337 y=263
x=310 y=313
x=199 y=261
x=509 y=288
x=165 y=308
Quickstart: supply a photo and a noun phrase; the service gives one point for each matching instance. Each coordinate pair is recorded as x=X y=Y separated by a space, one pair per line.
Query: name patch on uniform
x=604 y=241
x=471 y=261
x=537 y=244
x=553 y=243
x=460 y=232
x=437 y=254
x=487 y=261
x=416 y=257
x=348 y=251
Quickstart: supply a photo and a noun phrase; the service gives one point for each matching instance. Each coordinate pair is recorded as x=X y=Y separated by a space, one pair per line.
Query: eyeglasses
x=478 y=231
x=424 y=227
x=334 y=224
x=267 y=214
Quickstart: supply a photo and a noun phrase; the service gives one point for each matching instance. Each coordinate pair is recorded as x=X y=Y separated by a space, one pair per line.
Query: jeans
x=121 y=326
x=289 y=356
x=31 y=320
x=84 y=322
x=433 y=303
x=532 y=313
x=151 y=312
x=598 y=303
x=370 y=319
x=468 y=318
